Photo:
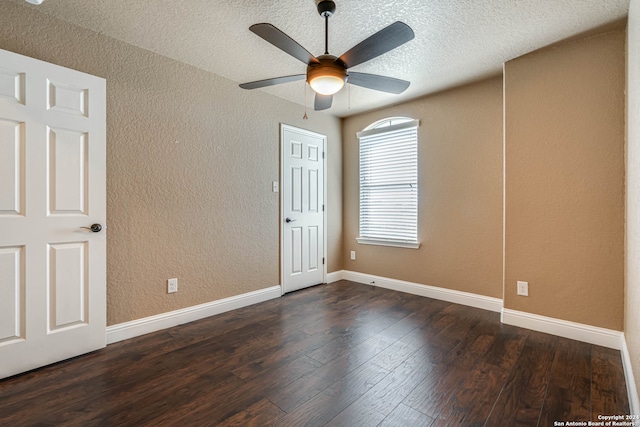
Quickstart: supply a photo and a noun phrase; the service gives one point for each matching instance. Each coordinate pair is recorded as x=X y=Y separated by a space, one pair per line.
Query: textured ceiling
x=456 y=41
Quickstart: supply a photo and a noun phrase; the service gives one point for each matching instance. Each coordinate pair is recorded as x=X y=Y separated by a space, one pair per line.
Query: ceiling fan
x=327 y=74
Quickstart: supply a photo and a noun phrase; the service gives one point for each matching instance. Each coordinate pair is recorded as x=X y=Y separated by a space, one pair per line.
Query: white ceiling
x=456 y=41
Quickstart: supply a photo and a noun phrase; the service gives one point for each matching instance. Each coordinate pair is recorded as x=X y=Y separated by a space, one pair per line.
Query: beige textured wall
x=460 y=192
x=564 y=156
x=201 y=210
x=632 y=290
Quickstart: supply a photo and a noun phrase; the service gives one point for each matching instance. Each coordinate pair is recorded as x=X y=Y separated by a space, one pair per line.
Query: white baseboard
x=134 y=328
x=334 y=276
x=577 y=331
x=632 y=391
x=449 y=295
x=564 y=328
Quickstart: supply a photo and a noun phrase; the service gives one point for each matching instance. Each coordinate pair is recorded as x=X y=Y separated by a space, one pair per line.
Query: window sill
x=393 y=243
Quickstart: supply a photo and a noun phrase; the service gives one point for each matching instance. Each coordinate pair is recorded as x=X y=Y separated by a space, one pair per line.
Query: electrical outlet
x=353 y=255
x=172 y=286
x=523 y=288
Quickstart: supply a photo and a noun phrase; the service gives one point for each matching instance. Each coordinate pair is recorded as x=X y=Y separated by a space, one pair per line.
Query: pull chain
x=305 y=117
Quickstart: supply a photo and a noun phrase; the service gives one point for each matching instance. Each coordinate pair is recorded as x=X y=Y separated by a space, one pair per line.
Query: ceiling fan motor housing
x=326 y=8
x=327 y=67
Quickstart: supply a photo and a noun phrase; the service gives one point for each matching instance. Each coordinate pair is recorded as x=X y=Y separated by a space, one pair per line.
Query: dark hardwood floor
x=343 y=354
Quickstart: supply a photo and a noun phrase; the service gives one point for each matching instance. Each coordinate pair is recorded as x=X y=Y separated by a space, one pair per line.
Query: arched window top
x=389 y=121
x=388 y=125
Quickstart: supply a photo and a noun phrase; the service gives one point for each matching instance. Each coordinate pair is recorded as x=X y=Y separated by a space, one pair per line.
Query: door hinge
x=322 y=260
x=323 y=154
x=322 y=208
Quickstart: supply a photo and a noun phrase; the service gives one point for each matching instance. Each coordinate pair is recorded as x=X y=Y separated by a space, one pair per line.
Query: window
x=389 y=183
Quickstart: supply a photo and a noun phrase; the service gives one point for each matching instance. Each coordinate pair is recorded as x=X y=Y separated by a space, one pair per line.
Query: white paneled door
x=303 y=219
x=52 y=185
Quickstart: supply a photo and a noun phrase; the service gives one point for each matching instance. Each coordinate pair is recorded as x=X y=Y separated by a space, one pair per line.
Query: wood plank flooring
x=342 y=354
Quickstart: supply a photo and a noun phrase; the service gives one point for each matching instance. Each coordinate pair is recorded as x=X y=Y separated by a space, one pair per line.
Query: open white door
x=52 y=184
x=303 y=219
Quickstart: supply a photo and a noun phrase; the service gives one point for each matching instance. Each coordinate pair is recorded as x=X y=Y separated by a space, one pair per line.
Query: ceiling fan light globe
x=327 y=84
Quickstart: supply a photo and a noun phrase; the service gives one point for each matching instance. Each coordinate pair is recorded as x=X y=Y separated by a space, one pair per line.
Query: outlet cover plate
x=523 y=288
x=172 y=286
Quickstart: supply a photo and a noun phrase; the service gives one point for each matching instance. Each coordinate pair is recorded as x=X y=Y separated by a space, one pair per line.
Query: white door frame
x=284 y=126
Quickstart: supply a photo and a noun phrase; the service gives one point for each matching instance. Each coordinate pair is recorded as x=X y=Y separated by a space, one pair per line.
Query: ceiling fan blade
x=322 y=102
x=376 y=82
x=381 y=42
x=283 y=42
x=274 y=81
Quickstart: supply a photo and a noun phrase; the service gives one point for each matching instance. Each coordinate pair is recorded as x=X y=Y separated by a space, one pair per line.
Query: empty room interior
x=196 y=229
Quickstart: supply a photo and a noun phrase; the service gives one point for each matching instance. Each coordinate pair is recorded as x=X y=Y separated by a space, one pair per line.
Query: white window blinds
x=389 y=185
